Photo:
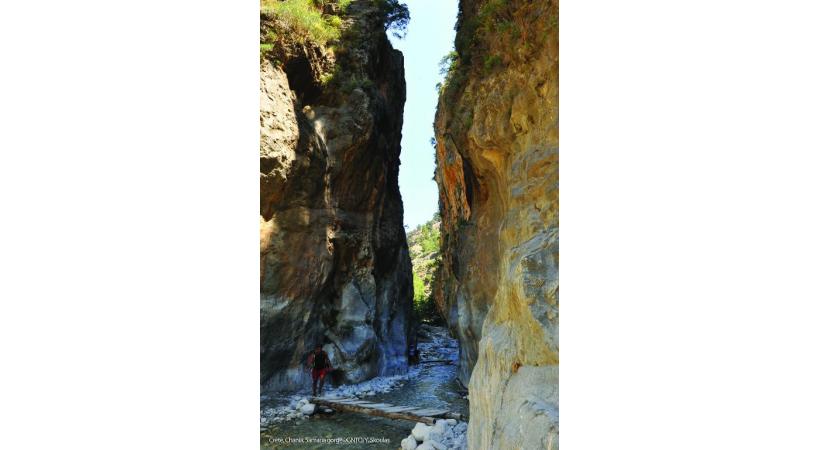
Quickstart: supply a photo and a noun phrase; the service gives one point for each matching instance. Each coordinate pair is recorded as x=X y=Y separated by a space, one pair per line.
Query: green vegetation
x=448 y=66
x=335 y=22
x=322 y=22
x=508 y=27
x=491 y=61
x=325 y=78
x=468 y=119
x=396 y=16
x=494 y=25
x=448 y=63
x=424 y=306
x=351 y=82
x=319 y=21
x=552 y=22
x=305 y=20
x=491 y=10
x=343 y=4
x=418 y=290
x=428 y=238
x=424 y=243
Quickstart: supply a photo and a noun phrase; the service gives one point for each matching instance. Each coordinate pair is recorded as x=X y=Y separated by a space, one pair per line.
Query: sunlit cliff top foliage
x=320 y=21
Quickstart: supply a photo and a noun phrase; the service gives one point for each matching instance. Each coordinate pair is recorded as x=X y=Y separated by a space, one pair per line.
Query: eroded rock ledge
x=497 y=171
x=334 y=260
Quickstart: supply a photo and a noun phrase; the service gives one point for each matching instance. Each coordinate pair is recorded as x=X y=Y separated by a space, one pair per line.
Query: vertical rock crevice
x=334 y=264
x=497 y=170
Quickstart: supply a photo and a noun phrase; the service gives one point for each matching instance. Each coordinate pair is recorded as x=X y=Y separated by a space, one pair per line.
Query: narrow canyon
x=335 y=264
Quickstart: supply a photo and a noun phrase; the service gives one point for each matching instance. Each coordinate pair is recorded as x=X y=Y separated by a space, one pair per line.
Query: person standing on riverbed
x=319 y=365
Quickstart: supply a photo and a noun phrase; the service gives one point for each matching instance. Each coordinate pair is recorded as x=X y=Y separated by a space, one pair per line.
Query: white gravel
x=446 y=434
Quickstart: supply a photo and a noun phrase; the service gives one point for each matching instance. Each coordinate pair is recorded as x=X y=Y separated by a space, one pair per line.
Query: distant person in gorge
x=319 y=365
x=413 y=352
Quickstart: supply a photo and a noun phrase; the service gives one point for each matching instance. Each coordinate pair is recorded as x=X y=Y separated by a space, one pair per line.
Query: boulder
x=308 y=409
x=436 y=445
x=421 y=431
x=441 y=426
x=409 y=443
x=434 y=435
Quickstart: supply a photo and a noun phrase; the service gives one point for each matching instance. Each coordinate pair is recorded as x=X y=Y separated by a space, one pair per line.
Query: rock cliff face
x=334 y=261
x=497 y=171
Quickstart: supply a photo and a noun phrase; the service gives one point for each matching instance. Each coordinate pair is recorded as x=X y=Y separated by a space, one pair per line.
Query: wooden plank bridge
x=411 y=413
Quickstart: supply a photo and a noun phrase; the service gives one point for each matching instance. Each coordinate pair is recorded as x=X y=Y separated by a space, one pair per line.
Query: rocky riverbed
x=288 y=420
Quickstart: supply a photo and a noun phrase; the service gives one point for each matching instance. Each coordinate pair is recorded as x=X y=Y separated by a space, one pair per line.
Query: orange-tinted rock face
x=497 y=171
x=334 y=265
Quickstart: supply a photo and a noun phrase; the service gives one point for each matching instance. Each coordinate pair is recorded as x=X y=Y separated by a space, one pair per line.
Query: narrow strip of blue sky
x=430 y=36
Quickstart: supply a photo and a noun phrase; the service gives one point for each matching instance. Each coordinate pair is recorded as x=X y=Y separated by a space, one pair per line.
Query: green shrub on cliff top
x=343 y=4
x=448 y=63
x=304 y=19
x=454 y=75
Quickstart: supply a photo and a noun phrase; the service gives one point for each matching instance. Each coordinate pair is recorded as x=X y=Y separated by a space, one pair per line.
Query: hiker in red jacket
x=319 y=363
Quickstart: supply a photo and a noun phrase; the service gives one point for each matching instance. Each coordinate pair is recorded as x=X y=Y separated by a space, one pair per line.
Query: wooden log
x=457 y=416
x=378 y=405
x=373 y=412
x=430 y=412
x=353 y=402
x=401 y=409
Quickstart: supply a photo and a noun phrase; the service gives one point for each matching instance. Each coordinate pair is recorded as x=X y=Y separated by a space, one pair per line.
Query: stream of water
x=428 y=385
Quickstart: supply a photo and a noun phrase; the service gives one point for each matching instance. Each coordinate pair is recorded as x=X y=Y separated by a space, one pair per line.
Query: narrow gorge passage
x=425 y=385
x=338 y=269
x=434 y=286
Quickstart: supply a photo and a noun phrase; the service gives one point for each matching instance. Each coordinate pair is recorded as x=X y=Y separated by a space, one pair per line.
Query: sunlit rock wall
x=497 y=171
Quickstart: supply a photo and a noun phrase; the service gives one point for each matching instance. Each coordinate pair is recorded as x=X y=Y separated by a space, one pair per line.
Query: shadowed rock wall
x=334 y=262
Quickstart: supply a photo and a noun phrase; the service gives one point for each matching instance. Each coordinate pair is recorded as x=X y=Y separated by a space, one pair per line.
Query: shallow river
x=435 y=386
